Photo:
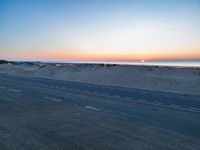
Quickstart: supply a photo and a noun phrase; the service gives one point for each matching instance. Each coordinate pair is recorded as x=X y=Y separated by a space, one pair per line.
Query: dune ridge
x=174 y=79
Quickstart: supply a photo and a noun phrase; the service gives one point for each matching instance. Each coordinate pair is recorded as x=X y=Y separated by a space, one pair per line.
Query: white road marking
x=53 y=99
x=92 y=108
x=176 y=107
x=197 y=109
x=14 y=90
x=2 y=87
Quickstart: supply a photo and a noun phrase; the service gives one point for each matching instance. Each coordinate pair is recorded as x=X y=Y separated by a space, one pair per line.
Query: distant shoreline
x=168 y=63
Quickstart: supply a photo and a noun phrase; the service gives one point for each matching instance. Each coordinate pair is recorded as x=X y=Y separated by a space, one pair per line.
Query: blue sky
x=99 y=29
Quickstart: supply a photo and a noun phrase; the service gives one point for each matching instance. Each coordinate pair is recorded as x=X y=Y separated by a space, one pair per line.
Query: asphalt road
x=183 y=102
x=37 y=113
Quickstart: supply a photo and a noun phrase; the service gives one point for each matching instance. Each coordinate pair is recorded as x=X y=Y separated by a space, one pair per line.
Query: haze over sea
x=175 y=63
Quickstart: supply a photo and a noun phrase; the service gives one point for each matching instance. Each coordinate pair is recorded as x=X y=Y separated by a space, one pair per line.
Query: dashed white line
x=177 y=107
x=92 y=108
x=2 y=87
x=53 y=99
x=196 y=109
x=14 y=90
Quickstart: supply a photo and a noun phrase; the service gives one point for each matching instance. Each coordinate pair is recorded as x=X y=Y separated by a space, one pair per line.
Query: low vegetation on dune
x=174 y=79
x=16 y=62
x=4 y=62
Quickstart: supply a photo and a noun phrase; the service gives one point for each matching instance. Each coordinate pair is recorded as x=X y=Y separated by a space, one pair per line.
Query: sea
x=174 y=63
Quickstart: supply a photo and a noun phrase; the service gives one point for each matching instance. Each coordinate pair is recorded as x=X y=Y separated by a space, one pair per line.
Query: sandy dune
x=181 y=80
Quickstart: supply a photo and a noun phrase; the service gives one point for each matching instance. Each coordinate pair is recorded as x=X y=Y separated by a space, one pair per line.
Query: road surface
x=37 y=113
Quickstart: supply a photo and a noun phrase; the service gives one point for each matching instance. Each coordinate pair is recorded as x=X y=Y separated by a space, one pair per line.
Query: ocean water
x=175 y=63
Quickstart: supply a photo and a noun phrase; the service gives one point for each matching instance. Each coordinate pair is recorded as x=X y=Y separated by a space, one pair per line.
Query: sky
x=99 y=30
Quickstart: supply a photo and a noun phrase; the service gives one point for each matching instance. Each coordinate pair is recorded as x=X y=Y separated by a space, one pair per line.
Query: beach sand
x=173 y=79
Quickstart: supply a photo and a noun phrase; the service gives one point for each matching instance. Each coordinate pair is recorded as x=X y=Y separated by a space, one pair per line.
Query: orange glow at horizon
x=63 y=55
x=100 y=30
